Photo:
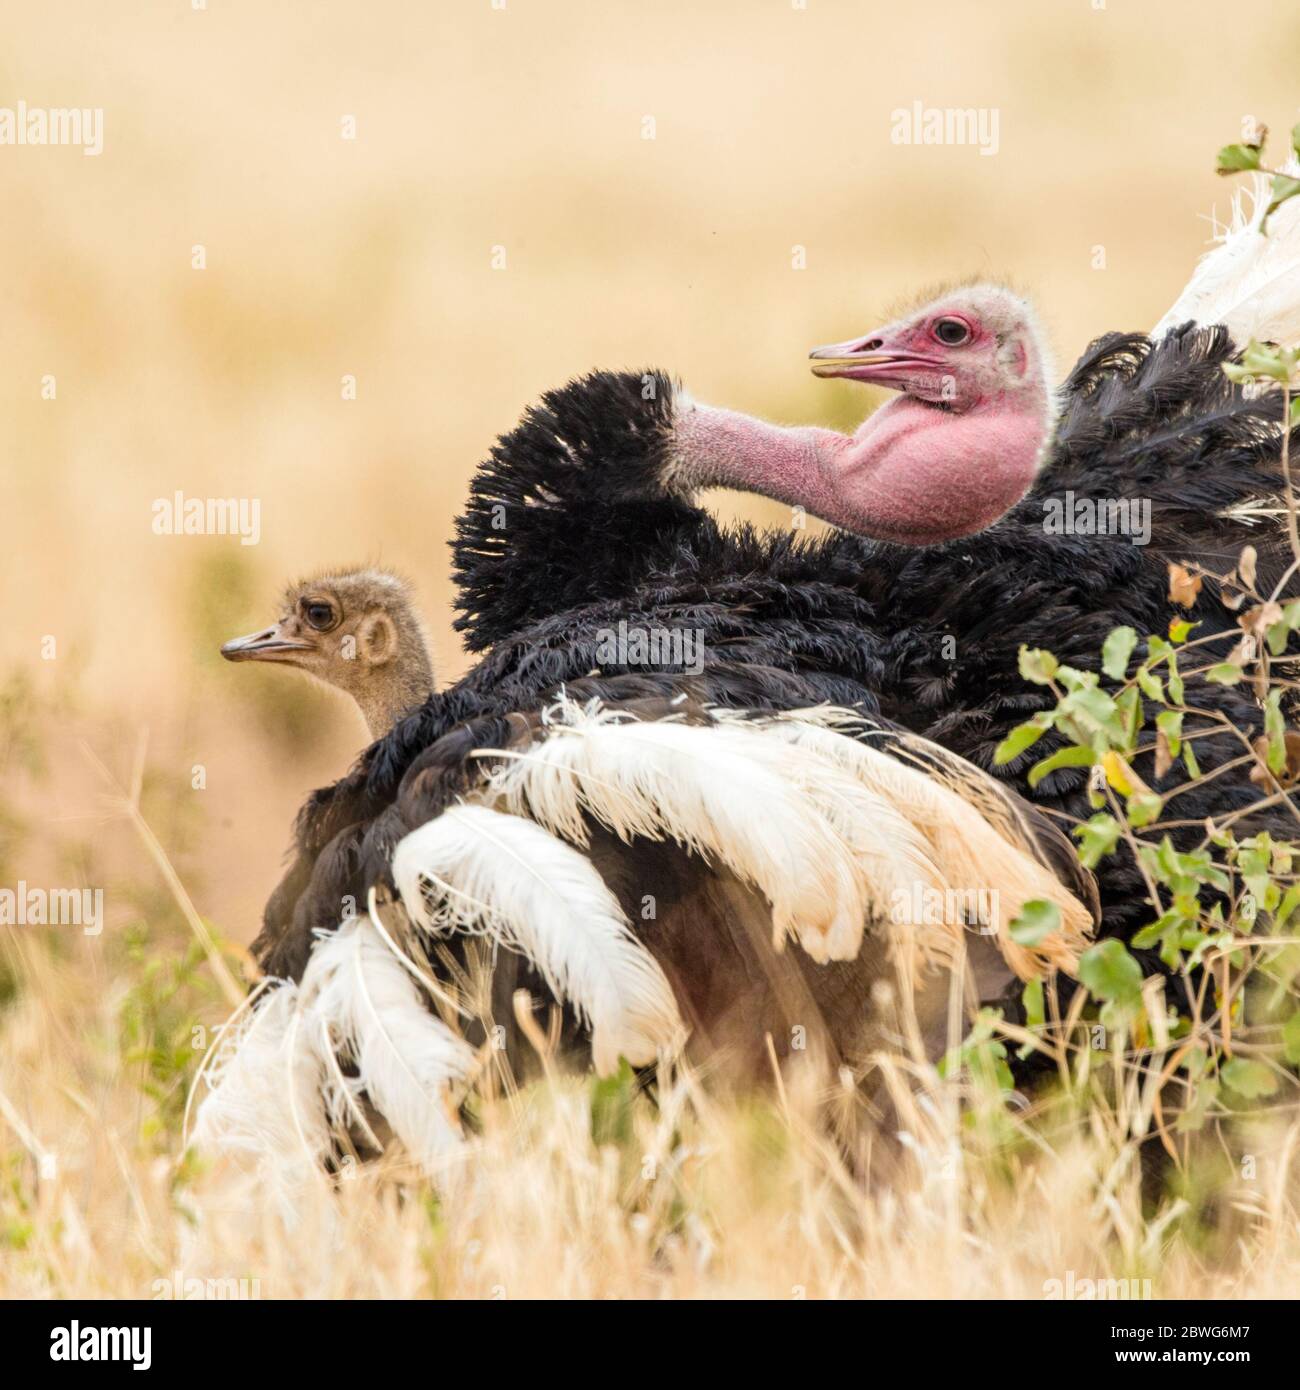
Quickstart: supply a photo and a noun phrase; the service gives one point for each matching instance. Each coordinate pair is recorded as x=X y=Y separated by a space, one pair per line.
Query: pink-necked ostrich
x=954 y=451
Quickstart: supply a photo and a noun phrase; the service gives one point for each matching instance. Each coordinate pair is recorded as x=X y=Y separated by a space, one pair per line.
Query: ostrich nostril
x=872 y=344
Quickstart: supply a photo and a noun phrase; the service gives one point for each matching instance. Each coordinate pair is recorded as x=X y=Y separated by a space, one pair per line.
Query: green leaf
x=1074 y=679
x=1248 y=1078
x=611 y=1105
x=1038 y=919
x=1275 y=728
x=1284 y=189
x=1291 y=1039
x=1263 y=359
x=1148 y=936
x=1097 y=836
x=1063 y=757
x=1116 y=650
x=1149 y=685
x=1195 y=1062
x=1194 y=1116
x=1290 y=901
x=1035 y=1014
x=1180 y=629
x=1235 y=159
x=1129 y=705
x=1190 y=763
x=1032 y=998
x=1021 y=737
x=1170 y=723
x=1037 y=666
x=1175 y=679
x=1144 y=807
x=1110 y=973
x=1225 y=673
x=1096 y=713
x=983 y=1055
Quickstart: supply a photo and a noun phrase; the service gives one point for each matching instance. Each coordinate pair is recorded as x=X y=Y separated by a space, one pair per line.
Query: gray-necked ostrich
x=582 y=520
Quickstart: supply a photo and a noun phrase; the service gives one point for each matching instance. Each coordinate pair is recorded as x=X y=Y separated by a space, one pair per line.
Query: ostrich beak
x=838 y=359
x=868 y=359
x=270 y=644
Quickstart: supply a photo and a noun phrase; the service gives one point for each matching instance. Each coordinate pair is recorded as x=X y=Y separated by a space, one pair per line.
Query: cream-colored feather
x=1249 y=281
x=982 y=851
x=724 y=792
x=476 y=869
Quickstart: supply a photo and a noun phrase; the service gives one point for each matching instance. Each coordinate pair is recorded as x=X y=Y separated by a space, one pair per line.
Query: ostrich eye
x=951 y=331
x=319 y=615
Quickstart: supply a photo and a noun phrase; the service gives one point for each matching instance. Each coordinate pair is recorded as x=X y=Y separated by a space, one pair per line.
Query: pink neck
x=912 y=472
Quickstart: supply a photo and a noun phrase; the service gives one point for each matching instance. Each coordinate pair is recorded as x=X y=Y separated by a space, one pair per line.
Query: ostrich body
x=597 y=531
x=712 y=932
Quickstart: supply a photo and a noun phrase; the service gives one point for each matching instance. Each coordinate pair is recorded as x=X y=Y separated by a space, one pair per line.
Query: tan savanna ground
x=479 y=128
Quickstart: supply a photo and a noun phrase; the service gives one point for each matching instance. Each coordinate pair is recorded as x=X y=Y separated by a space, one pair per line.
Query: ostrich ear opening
x=377 y=639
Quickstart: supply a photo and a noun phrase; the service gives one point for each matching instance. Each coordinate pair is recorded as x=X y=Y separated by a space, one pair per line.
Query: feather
x=405 y=1057
x=476 y=869
x=1250 y=281
x=264 y=1103
x=982 y=850
x=724 y=793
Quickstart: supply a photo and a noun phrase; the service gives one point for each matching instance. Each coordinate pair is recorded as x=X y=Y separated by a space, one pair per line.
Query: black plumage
x=573 y=526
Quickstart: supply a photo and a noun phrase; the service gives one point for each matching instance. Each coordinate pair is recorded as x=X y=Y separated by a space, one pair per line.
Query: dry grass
x=689 y=1194
x=693 y=1197
x=576 y=1189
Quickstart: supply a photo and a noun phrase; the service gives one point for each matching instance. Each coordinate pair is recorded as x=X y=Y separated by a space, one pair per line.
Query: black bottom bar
x=218 y=1337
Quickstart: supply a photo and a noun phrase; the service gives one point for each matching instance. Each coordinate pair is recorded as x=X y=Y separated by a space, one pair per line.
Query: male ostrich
x=582 y=519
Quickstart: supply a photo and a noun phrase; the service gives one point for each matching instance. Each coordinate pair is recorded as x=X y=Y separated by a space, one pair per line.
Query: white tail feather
x=1249 y=281
x=723 y=792
x=476 y=869
x=891 y=854
x=976 y=854
x=264 y=1104
x=406 y=1058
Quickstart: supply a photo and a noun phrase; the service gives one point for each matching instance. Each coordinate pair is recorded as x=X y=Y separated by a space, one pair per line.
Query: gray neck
x=388 y=692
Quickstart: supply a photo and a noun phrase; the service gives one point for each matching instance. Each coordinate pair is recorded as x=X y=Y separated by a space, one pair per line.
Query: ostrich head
x=965 y=440
x=354 y=629
x=978 y=347
x=956 y=451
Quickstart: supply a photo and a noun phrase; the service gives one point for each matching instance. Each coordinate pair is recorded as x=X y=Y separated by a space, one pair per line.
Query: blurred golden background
x=482 y=132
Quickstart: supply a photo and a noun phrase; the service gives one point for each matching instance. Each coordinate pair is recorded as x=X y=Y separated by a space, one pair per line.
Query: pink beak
x=869 y=358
